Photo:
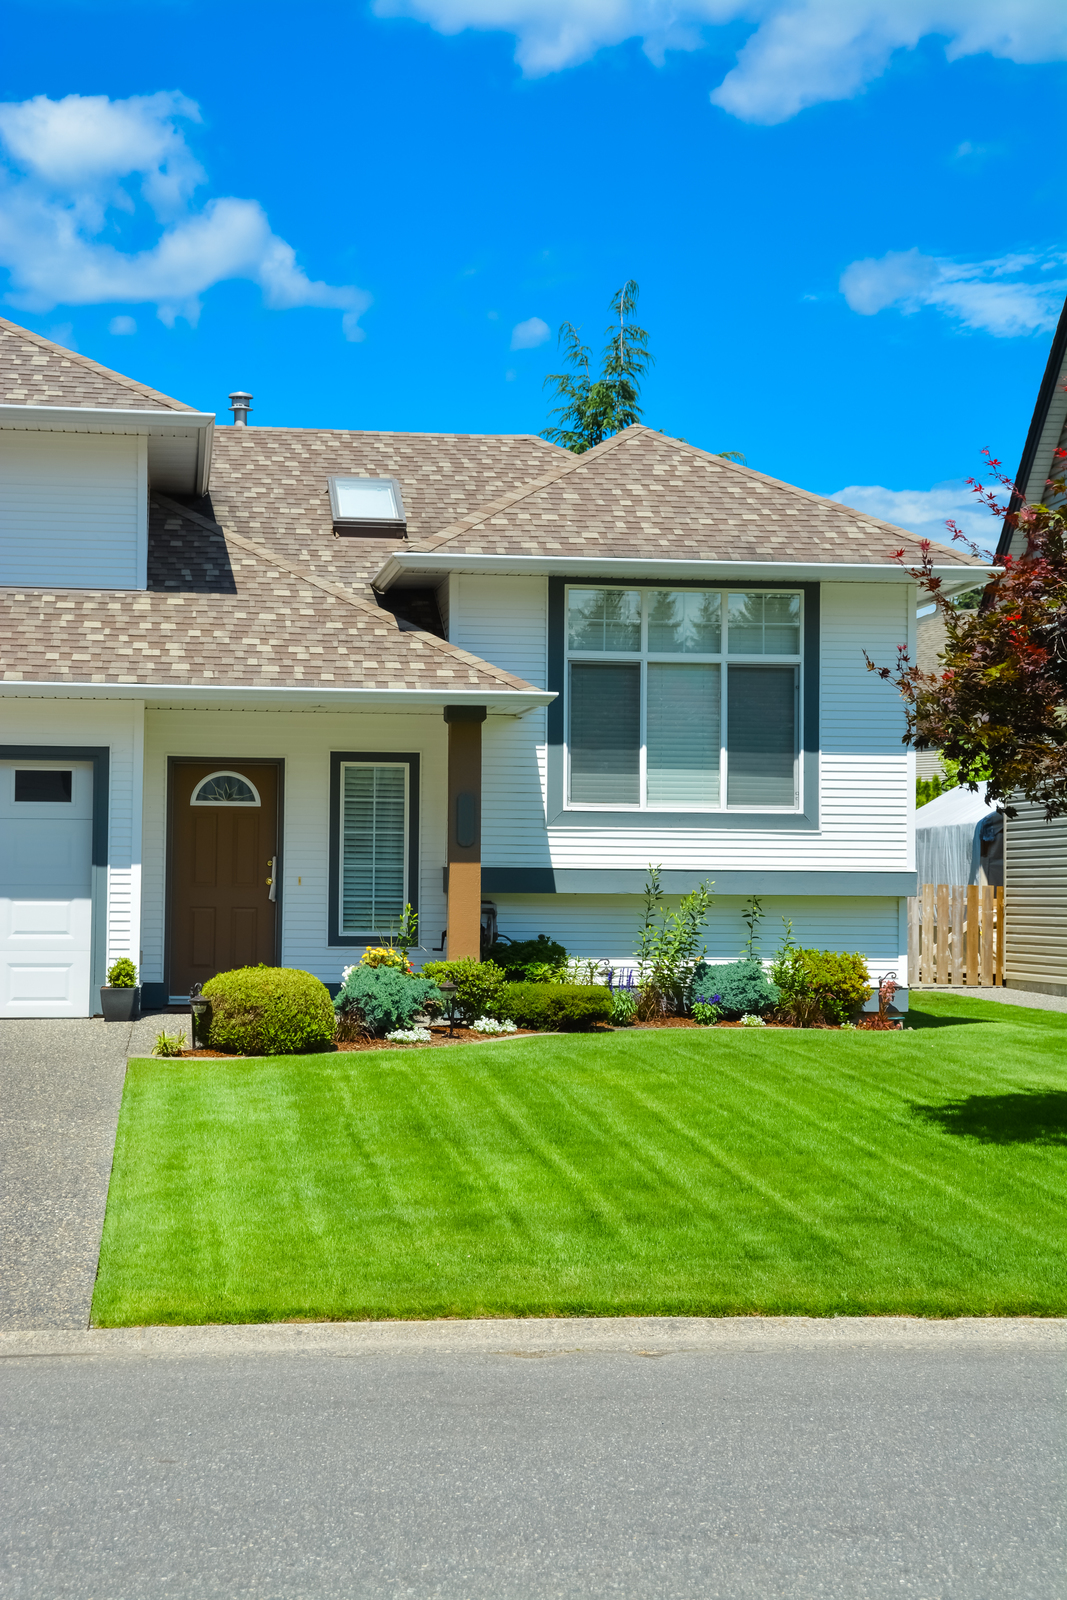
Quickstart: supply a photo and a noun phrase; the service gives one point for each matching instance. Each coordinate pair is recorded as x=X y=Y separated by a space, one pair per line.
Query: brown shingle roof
x=36 y=372
x=239 y=616
x=270 y=485
x=644 y=496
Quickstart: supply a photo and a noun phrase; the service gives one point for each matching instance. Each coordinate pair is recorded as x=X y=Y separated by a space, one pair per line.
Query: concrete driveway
x=60 y=1091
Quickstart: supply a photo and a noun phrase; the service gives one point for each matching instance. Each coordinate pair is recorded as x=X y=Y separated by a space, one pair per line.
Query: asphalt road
x=649 y=1464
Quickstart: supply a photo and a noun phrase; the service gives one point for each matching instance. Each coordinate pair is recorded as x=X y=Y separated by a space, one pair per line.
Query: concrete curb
x=640 y=1336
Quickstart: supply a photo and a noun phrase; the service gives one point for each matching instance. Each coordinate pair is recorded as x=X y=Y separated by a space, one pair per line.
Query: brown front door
x=222 y=845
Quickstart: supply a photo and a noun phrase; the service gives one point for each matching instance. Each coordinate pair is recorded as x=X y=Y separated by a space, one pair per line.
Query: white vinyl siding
x=867 y=784
x=73 y=510
x=373 y=855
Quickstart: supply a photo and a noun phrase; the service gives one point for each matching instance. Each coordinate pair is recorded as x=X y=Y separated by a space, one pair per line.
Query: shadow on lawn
x=1038 y=1117
x=929 y=1019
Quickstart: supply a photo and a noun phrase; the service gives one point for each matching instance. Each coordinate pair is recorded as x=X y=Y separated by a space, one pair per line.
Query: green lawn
x=679 y=1172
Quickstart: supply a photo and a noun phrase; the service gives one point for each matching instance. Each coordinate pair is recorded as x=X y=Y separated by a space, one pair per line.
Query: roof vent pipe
x=240 y=405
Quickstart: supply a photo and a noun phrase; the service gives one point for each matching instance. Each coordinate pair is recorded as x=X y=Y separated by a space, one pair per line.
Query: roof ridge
x=93 y=366
x=337 y=593
x=473 y=518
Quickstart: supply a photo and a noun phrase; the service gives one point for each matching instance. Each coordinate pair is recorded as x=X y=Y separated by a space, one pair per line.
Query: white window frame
x=723 y=658
x=405 y=766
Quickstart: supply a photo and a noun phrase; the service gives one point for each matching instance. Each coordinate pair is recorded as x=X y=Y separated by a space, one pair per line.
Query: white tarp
x=948 y=836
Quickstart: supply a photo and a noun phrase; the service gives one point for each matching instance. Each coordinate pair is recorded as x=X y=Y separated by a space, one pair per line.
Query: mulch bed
x=440 y=1036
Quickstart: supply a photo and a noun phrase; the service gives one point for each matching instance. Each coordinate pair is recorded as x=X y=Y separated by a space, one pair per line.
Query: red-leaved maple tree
x=997 y=706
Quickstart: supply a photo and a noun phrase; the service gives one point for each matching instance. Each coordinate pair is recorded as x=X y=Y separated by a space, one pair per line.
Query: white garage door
x=46 y=824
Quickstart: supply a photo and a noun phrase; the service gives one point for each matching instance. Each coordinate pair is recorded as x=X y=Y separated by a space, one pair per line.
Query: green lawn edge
x=683 y=1172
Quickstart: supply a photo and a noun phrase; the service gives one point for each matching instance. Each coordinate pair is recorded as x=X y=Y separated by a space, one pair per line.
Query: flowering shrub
x=750 y=1020
x=383 y=955
x=491 y=1025
x=707 y=1012
x=409 y=1036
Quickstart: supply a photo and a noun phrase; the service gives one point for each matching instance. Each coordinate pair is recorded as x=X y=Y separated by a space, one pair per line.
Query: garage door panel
x=43 y=856
x=45 y=892
x=32 y=986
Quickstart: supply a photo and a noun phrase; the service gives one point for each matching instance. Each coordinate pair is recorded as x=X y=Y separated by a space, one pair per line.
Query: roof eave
x=432 y=564
x=304 y=697
x=195 y=429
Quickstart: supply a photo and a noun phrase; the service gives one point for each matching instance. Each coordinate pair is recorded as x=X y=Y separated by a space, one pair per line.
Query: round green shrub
x=837 y=981
x=736 y=987
x=269 y=1011
x=123 y=974
x=554 y=1005
x=477 y=985
x=384 y=998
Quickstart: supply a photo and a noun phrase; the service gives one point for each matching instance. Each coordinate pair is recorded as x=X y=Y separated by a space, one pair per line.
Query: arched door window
x=225 y=789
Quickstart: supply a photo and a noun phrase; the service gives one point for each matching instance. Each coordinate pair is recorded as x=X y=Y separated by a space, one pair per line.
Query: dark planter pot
x=120 y=1005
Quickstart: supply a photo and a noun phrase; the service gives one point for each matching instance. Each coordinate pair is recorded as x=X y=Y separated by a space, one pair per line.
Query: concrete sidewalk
x=60 y=1091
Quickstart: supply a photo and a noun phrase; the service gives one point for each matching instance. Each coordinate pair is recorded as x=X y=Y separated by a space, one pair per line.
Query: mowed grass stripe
x=673 y=1172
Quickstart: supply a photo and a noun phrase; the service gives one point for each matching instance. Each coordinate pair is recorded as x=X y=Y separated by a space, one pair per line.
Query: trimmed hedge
x=737 y=987
x=477 y=985
x=554 y=1005
x=268 y=1011
x=384 y=998
x=515 y=957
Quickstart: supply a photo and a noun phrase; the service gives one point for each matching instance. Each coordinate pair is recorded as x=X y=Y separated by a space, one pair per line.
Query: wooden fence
x=956 y=934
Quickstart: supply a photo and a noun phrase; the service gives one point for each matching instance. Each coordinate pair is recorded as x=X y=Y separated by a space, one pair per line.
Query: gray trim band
x=596 y=880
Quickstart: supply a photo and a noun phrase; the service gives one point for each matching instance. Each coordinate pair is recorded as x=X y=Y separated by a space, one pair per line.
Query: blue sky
x=845 y=216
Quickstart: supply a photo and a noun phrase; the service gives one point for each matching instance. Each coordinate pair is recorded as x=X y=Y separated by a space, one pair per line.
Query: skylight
x=367 y=505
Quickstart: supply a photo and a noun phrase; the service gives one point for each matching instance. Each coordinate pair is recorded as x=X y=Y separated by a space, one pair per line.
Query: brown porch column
x=464 y=830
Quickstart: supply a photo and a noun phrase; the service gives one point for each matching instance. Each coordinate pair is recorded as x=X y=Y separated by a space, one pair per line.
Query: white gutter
x=434 y=563
x=102 y=419
x=246 y=696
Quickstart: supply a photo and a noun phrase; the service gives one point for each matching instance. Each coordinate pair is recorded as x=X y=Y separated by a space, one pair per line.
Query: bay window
x=683 y=699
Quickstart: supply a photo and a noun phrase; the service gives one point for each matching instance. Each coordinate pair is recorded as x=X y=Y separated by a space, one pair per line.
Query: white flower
x=409 y=1036
x=490 y=1025
x=344 y=973
x=750 y=1020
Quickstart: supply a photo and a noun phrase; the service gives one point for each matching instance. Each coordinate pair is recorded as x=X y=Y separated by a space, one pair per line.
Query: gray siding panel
x=1035 y=898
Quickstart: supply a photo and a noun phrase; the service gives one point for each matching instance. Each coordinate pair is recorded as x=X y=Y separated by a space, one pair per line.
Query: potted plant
x=120 y=997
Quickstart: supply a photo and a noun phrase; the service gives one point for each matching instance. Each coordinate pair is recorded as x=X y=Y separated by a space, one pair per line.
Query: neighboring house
x=262 y=686
x=1035 y=851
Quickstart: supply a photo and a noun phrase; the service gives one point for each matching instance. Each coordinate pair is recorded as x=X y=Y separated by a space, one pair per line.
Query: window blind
x=373 y=847
x=605 y=733
x=761 y=736
x=683 y=735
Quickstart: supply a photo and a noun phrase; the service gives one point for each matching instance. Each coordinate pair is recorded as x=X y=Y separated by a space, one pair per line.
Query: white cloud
x=122 y=325
x=1007 y=296
x=924 y=512
x=76 y=166
x=801 y=52
x=529 y=334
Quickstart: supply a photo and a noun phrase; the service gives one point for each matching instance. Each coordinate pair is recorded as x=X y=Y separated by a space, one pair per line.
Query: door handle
x=272 y=867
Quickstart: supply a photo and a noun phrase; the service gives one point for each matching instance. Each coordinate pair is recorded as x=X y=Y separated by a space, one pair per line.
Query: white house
x=262 y=686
